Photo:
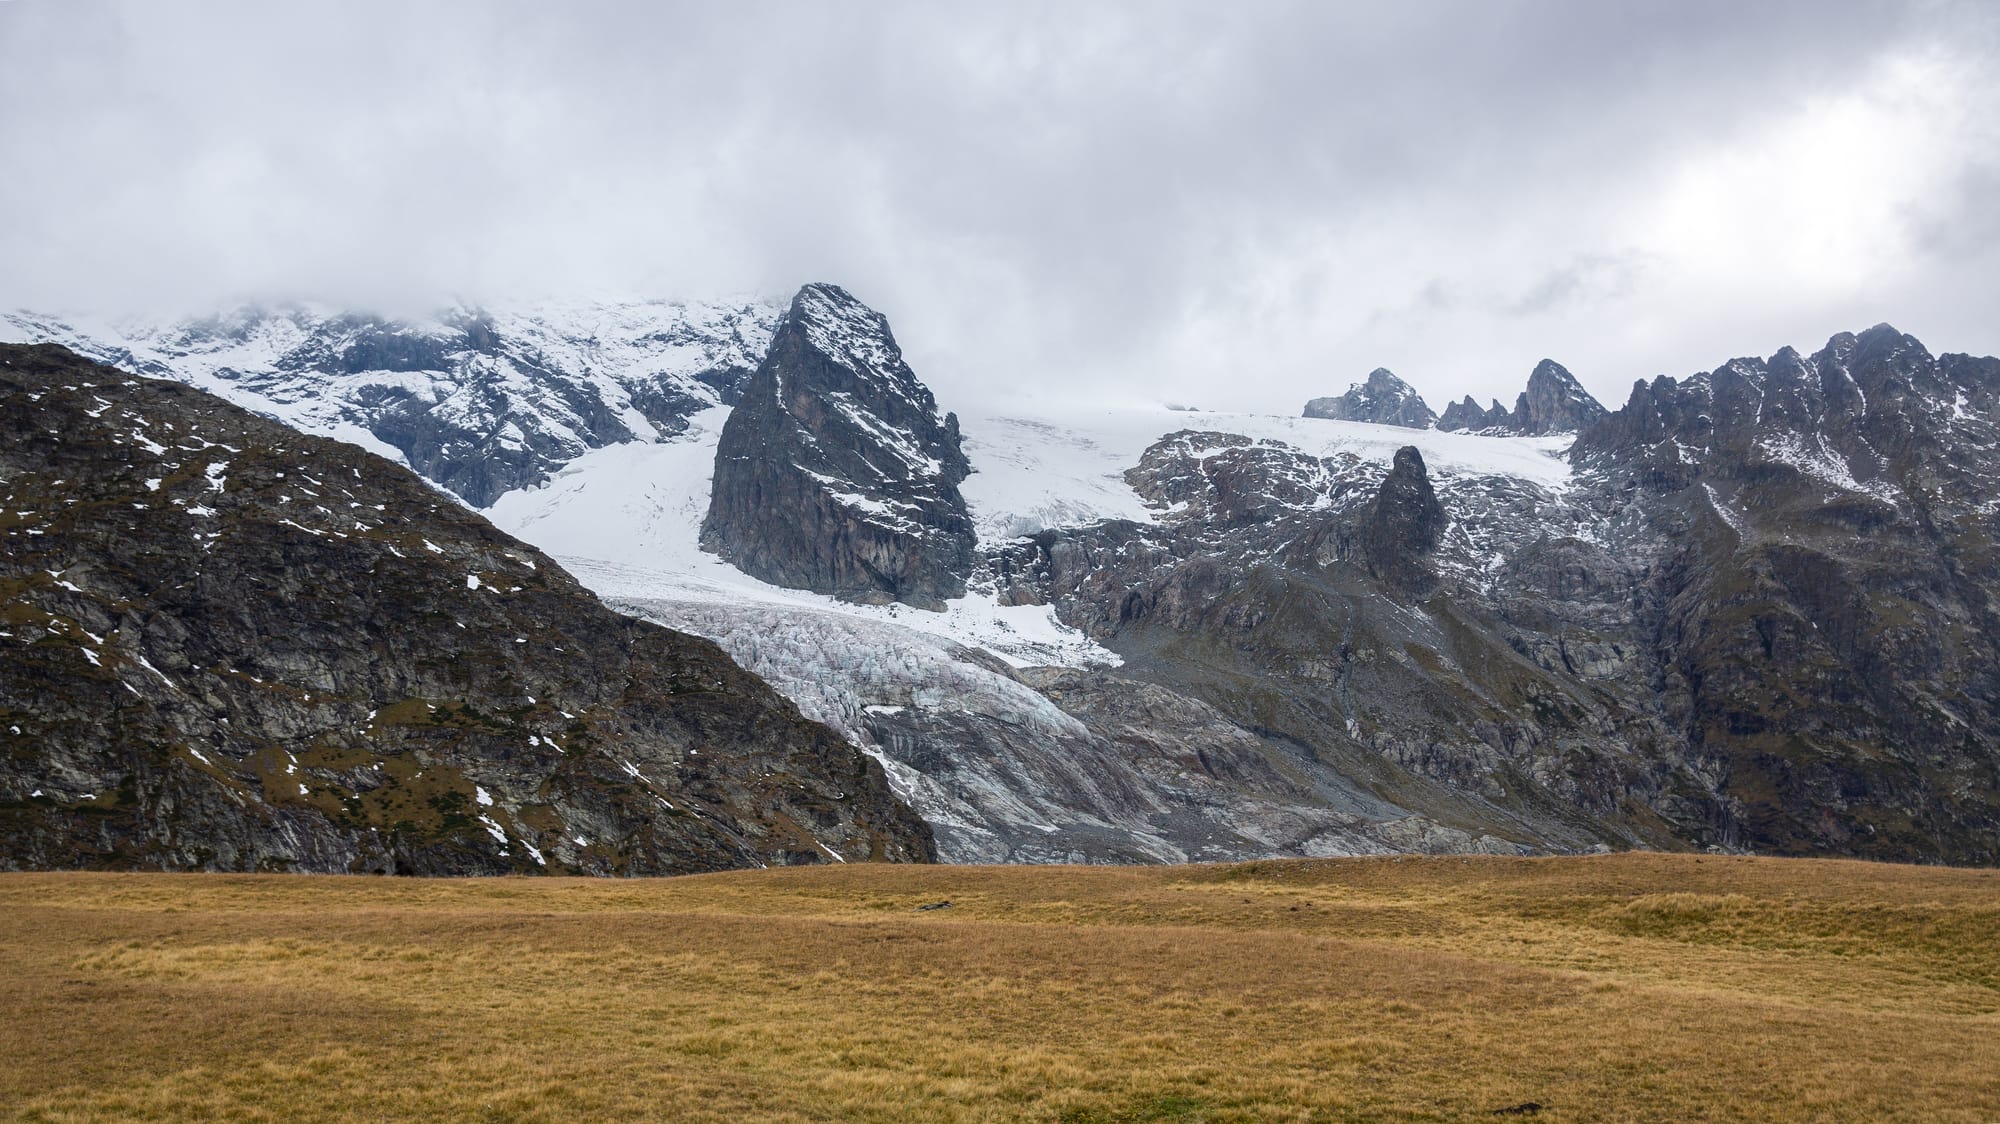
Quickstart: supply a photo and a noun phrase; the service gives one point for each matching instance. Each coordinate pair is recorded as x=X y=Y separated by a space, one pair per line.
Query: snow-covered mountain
x=951 y=702
x=477 y=401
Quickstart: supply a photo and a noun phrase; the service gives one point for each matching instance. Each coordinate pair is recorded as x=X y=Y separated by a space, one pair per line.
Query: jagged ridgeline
x=226 y=645
x=1760 y=612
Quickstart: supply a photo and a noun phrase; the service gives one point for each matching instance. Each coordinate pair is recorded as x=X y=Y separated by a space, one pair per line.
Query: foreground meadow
x=1620 y=987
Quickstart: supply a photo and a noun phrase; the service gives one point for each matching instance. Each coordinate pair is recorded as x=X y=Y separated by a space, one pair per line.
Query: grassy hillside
x=1621 y=987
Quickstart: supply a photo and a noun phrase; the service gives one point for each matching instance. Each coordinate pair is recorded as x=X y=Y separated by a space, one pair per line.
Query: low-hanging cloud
x=1238 y=208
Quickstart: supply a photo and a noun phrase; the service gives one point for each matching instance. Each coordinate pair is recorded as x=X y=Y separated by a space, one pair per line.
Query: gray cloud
x=1590 y=279
x=1243 y=206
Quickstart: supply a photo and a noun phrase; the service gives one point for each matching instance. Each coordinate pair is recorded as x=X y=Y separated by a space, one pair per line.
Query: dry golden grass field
x=1631 y=987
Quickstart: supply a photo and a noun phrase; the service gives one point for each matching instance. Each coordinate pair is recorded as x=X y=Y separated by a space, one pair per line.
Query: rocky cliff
x=1383 y=399
x=836 y=473
x=1820 y=545
x=225 y=645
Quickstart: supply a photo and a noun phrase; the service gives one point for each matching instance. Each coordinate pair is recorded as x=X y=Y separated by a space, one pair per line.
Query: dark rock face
x=1554 y=402
x=1761 y=616
x=477 y=403
x=228 y=646
x=836 y=473
x=1829 y=635
x=1383 y=399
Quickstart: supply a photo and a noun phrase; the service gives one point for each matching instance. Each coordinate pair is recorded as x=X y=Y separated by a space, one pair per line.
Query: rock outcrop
x=226 y=645
x=1383 y=399
x=836 y=473
x=1402 y=527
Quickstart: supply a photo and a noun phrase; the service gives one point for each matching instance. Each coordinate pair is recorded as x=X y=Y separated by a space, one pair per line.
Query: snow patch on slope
x=1821 y=463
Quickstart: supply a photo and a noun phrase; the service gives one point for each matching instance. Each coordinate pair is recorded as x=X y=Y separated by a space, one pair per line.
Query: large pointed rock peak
x=837 y=473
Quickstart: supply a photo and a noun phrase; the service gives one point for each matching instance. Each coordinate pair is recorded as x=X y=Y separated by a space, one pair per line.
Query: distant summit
x=1384 y=399
x=1554 y=402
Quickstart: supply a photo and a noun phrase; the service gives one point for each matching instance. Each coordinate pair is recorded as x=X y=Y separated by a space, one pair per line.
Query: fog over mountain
x=1162 y=201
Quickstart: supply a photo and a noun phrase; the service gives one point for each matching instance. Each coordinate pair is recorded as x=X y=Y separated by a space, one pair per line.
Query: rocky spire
x=836 y=473
x=1403 y=525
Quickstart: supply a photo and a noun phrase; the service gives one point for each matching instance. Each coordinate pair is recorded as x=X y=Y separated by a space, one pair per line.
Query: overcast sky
x=1233 y=205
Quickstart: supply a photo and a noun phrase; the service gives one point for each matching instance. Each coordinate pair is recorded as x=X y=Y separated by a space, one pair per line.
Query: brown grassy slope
x=1623 y=987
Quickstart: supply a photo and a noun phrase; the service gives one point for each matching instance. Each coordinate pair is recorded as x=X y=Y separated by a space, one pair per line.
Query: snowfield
x=1032 y=473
